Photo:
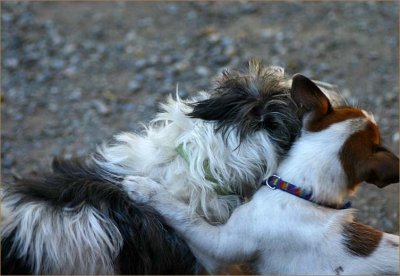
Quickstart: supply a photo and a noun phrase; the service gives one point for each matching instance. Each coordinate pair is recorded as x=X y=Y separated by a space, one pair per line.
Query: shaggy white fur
x=89 y=242
x=236 y=165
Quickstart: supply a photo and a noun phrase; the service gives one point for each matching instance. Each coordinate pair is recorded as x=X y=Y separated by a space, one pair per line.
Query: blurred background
x=76 y=73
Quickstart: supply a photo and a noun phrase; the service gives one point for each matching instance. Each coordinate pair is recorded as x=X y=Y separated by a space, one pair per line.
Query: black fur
x=10 y=262
x=252 y=102
x=149 y=245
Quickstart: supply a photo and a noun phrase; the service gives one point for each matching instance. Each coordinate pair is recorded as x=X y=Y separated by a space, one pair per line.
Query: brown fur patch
x=364 y=159
x=335 y=116
x=356 y=150
x=361 y=240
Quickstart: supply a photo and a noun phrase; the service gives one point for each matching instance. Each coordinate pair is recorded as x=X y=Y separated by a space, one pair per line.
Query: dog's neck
x=313 y=164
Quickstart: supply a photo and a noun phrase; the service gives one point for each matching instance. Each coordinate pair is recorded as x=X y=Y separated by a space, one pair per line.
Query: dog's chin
x=382 y=185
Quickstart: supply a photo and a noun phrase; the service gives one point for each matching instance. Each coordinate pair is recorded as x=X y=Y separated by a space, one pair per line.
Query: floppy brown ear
x=309 y=98
x=382 y=169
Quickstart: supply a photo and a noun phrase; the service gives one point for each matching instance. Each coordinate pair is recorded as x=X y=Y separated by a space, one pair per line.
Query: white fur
x=237 y=167
x=62 y=241
x=369 y=116
x=276 y=232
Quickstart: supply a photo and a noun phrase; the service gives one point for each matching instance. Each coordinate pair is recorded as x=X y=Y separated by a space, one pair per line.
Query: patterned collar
x=275 y=182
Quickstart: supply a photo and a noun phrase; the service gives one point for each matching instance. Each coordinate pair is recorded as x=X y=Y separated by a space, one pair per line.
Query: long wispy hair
x=73 y=221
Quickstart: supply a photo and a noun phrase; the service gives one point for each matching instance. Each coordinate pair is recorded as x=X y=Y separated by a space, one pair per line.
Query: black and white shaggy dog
x=213 y=151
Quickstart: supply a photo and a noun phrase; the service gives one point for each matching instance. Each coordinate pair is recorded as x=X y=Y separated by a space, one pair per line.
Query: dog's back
x=72 y=221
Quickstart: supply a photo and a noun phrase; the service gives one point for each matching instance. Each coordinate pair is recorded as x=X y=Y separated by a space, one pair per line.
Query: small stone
x=75 y=94
x=134 y=85
x=395 y=137
x=101 y=107
x=54 y=90
x=53 y=107
x=202 y=71
x=191 y=15
x=129 y=107
x=11 y=63
x=182 y=65
x=131 y=36
x=40 y=77
x=230 y=51
x=140 y=63
x=267 y=33
x=208 y=30
x=214 y=37
x=390 y=97
x=70 y=71
x=171 y=8
x=69 y=48
x=129 y=49
x=374 y=55
x=153 y=59
x=6 y=17
x=167 y=59
x=57 y=64
x=249 y=8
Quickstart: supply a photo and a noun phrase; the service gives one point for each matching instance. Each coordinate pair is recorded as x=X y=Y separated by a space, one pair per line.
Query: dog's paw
x=141 y=189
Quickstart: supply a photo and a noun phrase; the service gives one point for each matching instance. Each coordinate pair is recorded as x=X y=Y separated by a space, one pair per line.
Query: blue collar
x=275 y=182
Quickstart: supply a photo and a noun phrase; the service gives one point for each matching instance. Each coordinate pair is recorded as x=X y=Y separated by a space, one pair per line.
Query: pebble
x=57 y=63
x=202 y=71
x=11 y=63
x=70 y=71
x=267 y=33
x=69 y=48
x=131 y=36
x=75 y=95
x=140 y=64
x=101 y=107
x=395 y=138
x=214 y=37
x=182 y=65
x=129 y=107
x=134 y=85
x=53 y=107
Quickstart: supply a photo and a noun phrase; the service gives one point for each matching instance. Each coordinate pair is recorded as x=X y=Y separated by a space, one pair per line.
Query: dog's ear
x=382 y=168
x=309 y=98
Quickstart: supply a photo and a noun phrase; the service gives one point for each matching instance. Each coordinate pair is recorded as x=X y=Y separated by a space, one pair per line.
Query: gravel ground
x=75 y=73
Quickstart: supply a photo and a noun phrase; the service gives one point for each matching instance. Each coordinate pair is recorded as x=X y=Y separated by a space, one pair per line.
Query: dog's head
x=360 y=151
x=247 y=102
x=256 y=100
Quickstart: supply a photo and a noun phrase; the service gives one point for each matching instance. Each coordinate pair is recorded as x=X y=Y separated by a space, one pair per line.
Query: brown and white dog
x=299 y=225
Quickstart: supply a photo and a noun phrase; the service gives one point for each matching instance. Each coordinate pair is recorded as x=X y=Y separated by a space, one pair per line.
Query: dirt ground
x=76 y=73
